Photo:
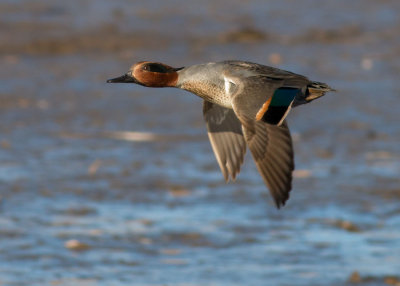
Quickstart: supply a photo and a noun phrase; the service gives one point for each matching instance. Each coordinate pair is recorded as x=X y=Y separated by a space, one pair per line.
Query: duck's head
x=150 y=74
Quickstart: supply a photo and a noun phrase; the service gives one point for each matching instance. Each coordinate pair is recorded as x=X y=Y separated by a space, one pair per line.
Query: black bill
x=123 y=79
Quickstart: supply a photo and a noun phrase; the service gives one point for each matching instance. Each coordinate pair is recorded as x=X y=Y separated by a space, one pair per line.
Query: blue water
x=152 y=206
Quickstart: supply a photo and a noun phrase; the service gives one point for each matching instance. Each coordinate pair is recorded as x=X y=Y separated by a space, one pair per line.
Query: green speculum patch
x=280 y=105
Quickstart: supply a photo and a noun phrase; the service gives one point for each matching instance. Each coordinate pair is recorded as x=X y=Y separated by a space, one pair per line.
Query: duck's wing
x=226 y=137
x=270 y=145
x=272 y=150
x=248 y=69
x=265 y=93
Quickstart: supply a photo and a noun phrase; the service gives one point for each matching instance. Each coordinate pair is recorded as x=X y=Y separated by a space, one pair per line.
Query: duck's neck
x=206 y=82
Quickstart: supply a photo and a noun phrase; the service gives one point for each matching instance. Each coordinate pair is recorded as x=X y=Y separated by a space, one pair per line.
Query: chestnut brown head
x=150 y=74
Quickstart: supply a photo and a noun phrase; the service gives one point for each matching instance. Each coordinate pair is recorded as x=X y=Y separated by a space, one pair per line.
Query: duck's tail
x=316 y=89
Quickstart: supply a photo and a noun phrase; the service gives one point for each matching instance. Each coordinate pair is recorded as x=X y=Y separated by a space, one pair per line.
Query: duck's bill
x=123 y=79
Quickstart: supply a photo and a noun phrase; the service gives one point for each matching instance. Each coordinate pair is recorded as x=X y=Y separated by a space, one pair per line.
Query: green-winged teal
x=244 y=103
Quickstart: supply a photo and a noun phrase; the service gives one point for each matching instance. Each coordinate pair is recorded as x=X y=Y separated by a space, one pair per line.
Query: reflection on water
x=117 y=185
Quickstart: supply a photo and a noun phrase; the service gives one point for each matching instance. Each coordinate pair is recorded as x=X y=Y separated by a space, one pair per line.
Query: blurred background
x=117 y=184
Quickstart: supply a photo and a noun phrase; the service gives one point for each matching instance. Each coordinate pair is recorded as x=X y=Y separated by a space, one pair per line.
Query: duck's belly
x=223 y=100
x=212 y=93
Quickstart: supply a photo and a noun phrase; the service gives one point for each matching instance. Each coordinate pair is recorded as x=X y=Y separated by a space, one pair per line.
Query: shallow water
x=128 y=172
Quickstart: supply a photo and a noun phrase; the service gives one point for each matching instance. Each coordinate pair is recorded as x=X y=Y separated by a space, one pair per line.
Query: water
x=128 y=172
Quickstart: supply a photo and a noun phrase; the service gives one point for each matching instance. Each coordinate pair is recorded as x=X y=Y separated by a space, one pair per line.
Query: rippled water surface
x=117 y=184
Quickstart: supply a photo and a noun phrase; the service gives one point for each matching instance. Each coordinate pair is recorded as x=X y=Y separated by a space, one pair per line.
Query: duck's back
x=216 y=82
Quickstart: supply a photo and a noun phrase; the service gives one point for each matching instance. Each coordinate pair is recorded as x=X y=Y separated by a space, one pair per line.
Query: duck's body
x=243 y=103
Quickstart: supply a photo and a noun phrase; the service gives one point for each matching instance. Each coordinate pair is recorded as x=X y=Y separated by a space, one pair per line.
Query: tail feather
x=316 y=90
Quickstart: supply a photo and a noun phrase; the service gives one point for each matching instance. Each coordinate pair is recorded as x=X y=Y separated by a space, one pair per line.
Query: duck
x=245 y=104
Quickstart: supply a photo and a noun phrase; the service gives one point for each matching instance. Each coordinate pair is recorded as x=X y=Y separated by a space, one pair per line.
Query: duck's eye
x=155 y=68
